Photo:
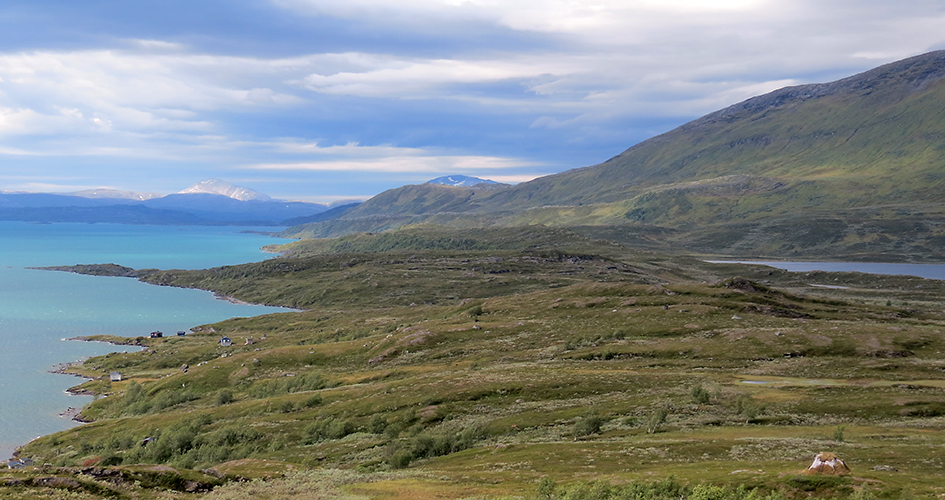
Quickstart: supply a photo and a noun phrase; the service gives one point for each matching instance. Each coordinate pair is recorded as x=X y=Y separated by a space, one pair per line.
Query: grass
x=593 y=367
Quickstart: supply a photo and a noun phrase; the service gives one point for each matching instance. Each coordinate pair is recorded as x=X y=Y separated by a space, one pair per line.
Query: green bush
x=667 y=489
x=546 y=487
x=286 y=407
x=748 y=408
x=287 y=385
x=312 y=401
x=657 y=419
x=433 y=445
x=838 y=434
x=324 y=429
x=400 y=459
x=225 y=397
x=590 y=423
x=378 y=425
x=475 y=311
x=700 y=395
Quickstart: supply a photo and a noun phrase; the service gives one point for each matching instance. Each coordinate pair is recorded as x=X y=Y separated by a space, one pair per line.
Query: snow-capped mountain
x=216 y=186
x=460 y=181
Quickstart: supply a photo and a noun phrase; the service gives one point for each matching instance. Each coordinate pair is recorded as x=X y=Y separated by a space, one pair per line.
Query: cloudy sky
x=322 y=100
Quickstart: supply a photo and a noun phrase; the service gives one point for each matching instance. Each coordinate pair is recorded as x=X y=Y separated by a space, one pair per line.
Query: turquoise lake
x=39 y=309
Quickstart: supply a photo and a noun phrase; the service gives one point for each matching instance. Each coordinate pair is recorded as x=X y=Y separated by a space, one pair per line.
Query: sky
x=329 y=100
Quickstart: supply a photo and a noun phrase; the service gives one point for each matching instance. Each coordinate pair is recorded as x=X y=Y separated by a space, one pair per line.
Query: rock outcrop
x=828 y=464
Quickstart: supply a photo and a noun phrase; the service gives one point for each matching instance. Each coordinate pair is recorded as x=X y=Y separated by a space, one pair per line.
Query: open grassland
x=482 y=373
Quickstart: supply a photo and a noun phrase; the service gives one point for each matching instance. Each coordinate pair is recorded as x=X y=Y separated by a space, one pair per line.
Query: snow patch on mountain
x=460 y=181
x=216 y=186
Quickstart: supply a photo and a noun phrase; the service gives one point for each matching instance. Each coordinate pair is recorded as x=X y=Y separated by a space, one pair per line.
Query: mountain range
x=852 y=168
x=210 y=202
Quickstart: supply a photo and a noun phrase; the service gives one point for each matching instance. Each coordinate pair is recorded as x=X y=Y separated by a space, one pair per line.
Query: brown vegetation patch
x=239 y=374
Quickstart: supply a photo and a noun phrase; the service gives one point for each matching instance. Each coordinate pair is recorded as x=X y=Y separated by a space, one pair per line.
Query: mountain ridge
x=868 y=146
x=210 y=202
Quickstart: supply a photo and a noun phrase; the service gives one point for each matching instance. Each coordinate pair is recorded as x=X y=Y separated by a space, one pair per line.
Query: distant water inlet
x=39 y=309
x=929 y=271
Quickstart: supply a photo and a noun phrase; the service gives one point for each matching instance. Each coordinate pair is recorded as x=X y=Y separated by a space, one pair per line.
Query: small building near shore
x=115 y=376
x=19 y=463
x=226 y=342
x=181 y=333
x=157 y=335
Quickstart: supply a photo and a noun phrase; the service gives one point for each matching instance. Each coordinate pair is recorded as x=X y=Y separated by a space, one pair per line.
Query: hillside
x=860 y=156
x=452 y=367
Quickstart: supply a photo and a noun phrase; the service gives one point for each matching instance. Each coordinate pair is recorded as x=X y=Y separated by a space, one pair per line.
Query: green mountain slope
x=856 y=155
x=883 y=128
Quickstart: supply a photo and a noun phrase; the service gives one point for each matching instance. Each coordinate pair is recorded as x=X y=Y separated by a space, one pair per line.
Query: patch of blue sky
x=156 y=95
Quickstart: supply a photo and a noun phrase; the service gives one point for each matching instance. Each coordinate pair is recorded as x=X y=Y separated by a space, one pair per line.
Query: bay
x=39 y=309
x=929 y=271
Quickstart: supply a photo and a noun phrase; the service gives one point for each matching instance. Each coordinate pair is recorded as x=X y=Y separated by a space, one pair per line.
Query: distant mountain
x=803 y=171
x=38 y=200
x=460 y=181
x=332 y=213
x=227 y=205
x=223 y=188
x=117 y=214
x=226 y=209
x=114 y=194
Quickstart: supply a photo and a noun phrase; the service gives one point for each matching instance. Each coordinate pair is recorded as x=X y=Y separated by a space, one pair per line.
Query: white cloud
x=53 y=187
x=346 y=150
x=127 y=91
x=515 y=179
x=400 y=164
x=416 y=78
x=616 y=50
x=157 y=44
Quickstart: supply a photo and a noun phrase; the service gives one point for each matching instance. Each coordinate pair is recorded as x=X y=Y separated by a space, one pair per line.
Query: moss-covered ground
x=553 y=372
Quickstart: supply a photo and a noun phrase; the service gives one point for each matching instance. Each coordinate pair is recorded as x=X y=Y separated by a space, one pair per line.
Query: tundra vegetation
x=528 y=363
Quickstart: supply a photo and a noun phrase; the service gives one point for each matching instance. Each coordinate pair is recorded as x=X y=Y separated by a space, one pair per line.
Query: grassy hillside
x=865 y=151
x=528 y=372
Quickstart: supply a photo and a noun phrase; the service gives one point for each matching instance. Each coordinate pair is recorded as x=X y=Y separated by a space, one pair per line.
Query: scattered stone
x=886 y=468
x=828 y=464
x=57 y=482
x=741 y=284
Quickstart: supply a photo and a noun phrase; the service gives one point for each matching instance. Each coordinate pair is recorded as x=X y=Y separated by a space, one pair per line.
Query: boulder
x=828 y=464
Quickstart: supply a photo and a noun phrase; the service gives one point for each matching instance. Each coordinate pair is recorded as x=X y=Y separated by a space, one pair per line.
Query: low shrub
x=590 y=423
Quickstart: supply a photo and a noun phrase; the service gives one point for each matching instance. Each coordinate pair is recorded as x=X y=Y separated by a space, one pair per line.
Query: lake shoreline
x=926 y=271
x=38 y=310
